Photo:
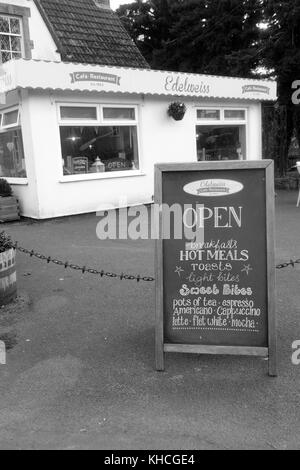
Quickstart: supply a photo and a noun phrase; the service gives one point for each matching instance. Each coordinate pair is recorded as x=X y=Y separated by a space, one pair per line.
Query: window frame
x=209 y=108
x=222 y=119
x=71 y=122
x=101 y=122
x=14 y=180
x=7 y=111
x=24 y=13
x=244 y=110
x=222 y=122
x=123 y=121
x=21 y=36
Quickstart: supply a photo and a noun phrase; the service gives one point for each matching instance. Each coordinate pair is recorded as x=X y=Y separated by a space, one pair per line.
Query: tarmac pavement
x=80 y=369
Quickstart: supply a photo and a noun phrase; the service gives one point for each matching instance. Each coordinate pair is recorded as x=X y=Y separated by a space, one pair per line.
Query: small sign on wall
x=215 y=266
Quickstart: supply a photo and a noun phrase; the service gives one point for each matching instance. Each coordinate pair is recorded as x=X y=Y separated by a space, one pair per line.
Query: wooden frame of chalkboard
x=269 y=349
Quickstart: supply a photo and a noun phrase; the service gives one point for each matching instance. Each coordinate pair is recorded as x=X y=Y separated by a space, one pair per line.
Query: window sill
x=100 y=176
x=16 y=181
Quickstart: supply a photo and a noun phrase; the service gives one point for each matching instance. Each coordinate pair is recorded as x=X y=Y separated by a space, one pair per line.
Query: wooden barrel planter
x=9 y=209
x=8 y=276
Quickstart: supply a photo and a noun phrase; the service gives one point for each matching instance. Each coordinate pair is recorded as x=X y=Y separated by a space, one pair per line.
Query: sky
x=116 y=3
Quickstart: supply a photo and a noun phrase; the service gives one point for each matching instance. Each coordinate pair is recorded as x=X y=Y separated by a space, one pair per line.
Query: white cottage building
x=84 y=119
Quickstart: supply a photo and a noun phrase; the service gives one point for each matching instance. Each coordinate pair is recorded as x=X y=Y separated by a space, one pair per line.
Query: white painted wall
x=25 y=189
x=161 y=138
x=44 y=45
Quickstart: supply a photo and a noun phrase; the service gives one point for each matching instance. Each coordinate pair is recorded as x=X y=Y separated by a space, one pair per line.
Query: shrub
x=5 y=242
x=5 y=188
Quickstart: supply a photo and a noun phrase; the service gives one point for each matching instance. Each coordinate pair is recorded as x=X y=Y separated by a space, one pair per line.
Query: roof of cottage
x=87 y=33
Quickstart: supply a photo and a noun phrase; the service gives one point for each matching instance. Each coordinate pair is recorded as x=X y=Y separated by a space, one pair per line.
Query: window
x=119 y=114
x=75 y=113
x=10 y=37
x=101 y=147
x=221 y=143
x=235 y=114
x=209 y=114
x=219 y=138
x=10 y=118
x=12 y=160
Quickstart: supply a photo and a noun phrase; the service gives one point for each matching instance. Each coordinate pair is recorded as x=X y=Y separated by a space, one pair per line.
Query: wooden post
x=159 y=332
x=270 y=211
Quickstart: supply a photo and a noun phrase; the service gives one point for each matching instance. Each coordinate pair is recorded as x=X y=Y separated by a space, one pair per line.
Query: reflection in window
x=221 y=143
x=12 y=160
x=96 y=149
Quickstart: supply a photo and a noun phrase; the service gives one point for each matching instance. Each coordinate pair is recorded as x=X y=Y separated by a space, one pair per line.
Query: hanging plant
x=177 y=110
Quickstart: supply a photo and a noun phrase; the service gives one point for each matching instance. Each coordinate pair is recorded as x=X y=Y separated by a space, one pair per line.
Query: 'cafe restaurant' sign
x=95 y=77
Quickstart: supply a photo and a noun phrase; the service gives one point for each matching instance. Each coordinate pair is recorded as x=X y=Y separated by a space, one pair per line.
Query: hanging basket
x=177 y=110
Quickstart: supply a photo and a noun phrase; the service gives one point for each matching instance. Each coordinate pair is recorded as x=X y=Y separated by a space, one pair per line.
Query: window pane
x=4 y=43
x=221 y=143
x=213 y=114
x=4 y=24
x=99 y=149
x=5 y=56
x=119 y=113
x=10 y=118
x=15 y=43
x=16 y=55
x=15 y=26
x=12 y=160
x=235 y=114
x=78 y=112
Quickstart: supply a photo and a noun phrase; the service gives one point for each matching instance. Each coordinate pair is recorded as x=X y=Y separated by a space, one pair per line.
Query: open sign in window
x=99 y=149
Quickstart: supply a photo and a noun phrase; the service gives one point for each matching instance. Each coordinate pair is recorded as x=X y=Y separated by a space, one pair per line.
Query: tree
x=214 y=37
x=281 y=52
x=223 y=37
x=204 y=36
x=148 y=24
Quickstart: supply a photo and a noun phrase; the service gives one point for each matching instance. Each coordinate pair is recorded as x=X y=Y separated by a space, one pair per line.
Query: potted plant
x=8 y=276
x=9 y=206
x=177 y=110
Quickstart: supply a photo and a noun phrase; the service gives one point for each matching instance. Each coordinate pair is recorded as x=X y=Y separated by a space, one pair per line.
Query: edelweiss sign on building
x=61 y=76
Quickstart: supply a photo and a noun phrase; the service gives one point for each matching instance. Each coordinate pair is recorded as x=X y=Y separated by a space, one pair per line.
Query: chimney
x=102 y=4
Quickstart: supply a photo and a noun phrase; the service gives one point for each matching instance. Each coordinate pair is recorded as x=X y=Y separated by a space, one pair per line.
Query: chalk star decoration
x=247 y=269
x=179 y=270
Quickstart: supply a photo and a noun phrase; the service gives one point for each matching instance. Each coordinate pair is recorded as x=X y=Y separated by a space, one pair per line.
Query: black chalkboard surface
x=215 y=260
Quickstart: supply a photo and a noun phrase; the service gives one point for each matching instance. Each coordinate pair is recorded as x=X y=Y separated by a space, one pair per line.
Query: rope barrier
x=83 y=269
x=290 y=263
x=102 y=273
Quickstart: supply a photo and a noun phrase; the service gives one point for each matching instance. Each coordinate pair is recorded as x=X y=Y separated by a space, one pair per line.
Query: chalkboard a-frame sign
x=215 y=263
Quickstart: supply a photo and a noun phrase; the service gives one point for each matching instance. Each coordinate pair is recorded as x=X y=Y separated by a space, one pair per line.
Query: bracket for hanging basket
x=177 y=110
